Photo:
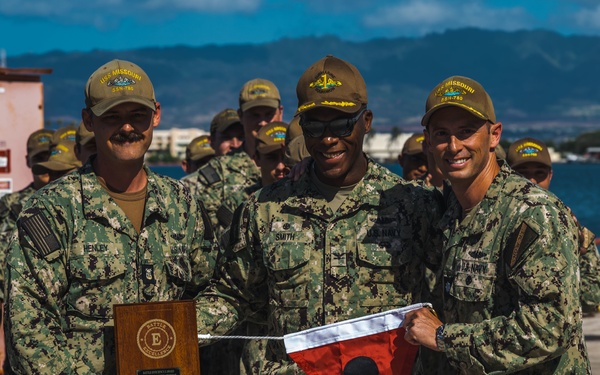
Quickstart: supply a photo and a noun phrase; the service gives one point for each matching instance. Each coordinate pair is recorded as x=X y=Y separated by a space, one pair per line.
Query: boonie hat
x=259 y=92
x=223 y=120
x=528 y=150
x=62 y=158
x=118 y=82
x=331 y=83
x=83 y=136
x=271 y=137
x=199 y=148
x=414 y=144
x=461 y=92
x=39 y=141
x=66 y=133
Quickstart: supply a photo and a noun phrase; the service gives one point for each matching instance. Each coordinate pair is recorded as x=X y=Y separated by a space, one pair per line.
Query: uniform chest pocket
x=473 y=281
x=288 y=251
x=288 y=246
x=98 y=282
x=178 y=270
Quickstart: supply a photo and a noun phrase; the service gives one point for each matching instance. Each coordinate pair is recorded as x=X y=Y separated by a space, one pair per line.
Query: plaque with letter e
x=157 y=338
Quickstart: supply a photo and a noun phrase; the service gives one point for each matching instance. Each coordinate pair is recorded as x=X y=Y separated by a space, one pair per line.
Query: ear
x=156 y=117
x=368 y=116
x=27 y=161
x=495 y=132
x=401 y=160
x=86 y=116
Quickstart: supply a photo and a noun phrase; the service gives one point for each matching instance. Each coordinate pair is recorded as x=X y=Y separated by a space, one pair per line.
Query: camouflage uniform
x=307 y=266
x=77 y=254
x=221 y=177
x=10 y=208
x=511 y=284
x=590 y=272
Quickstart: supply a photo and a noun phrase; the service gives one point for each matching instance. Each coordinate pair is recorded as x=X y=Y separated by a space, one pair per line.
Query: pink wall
x=21 y=113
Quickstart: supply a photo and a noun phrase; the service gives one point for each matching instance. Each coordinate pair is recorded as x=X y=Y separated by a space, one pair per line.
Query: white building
x=379 y=146
x=174 y=140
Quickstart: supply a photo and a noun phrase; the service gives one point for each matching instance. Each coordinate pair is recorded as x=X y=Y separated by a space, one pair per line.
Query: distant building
x=593 y=153
x=21 y=113
x=174 y=140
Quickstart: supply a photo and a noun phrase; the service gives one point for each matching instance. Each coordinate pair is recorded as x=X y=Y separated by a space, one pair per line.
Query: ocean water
x=578 y=185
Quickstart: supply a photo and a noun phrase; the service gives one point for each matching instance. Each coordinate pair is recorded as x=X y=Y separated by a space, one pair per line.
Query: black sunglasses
x=342 y=127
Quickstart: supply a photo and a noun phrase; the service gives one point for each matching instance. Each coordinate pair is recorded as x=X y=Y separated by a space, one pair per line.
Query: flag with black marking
x=42 y=236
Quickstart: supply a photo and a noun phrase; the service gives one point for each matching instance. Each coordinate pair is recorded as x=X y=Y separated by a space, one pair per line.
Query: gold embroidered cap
x=259 y=92
x=118 y=82
x=461 y=92
x=331 y=83
x=414 y=144
x=527 y=150
x=39 y=141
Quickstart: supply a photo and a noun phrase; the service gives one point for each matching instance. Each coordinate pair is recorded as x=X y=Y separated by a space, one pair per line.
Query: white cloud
x=416 y=17
x=588 y=18
x=68 y=10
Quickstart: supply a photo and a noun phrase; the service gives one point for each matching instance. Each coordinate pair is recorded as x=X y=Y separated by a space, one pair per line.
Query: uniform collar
x=97 y=203
x=474 y=223
x=307 y=198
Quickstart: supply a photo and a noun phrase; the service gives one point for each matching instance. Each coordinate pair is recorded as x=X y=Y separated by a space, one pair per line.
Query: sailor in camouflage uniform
x=110 y=232
x=260 y=103
x=38 y=150
x=530 y=158
x=347 y=240
x=510 y=269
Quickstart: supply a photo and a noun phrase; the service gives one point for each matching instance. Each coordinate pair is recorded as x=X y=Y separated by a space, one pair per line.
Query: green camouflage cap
x=118 y=82
x=462 y=92
x=331 y=83
x=66 y=133
x=83 y=136
x=39 y=141
x=199 y=148
x=271 y=137
x=223 y=120
x=259 y=92
x=62 y=158
x=527 y=150
x=414 y=144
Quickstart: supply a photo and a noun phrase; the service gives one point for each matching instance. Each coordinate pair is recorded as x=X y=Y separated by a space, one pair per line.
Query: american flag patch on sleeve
x=38 y=228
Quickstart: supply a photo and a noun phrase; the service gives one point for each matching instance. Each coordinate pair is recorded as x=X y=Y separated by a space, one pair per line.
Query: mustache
x=122 y=137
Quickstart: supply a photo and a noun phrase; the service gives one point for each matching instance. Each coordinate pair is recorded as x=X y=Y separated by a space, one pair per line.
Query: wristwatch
x=439 y=338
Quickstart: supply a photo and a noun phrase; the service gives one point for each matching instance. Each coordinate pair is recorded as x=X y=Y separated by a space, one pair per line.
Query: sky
x=37 y=26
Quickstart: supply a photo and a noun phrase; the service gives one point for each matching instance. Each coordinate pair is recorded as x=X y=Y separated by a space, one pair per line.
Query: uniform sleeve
x=238 y=290
x=204 y=254
x=36 y=282
x=590 y=278
x=540 y=261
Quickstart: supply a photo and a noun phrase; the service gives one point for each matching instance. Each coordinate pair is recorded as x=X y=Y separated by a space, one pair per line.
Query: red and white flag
x=372 y=344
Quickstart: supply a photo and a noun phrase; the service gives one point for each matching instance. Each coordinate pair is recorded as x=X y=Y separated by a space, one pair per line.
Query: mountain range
x=542 y=83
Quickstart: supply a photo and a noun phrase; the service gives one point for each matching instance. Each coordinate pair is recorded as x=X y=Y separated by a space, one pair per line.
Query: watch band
x=439 y=338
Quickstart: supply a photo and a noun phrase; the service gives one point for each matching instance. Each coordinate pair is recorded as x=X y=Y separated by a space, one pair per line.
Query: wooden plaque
x=156 y=338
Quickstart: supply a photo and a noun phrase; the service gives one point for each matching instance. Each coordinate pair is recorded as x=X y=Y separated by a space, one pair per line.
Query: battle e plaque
x=157 y=338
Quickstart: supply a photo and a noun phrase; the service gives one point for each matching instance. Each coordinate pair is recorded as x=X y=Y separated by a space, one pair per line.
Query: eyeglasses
x=342 y=127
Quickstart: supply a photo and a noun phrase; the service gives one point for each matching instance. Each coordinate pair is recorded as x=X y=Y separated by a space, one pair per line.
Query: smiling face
x=339 y=161
x=124 y=132
x=463 y=146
